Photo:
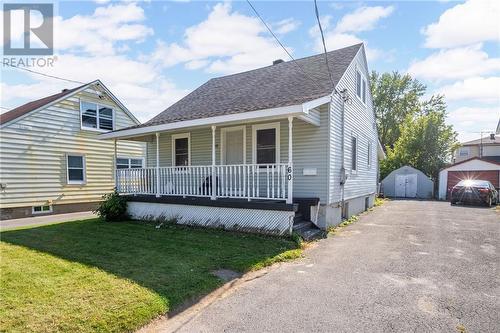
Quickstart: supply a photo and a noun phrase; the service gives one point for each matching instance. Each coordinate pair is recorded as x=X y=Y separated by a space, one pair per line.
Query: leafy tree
x=425 y=141
x=395 y=97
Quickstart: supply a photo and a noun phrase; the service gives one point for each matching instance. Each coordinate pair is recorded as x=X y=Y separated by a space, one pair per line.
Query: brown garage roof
x=31 y=106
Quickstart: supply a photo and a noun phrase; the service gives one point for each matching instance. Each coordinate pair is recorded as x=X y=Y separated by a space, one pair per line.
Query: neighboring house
x=51 y=160
x=474 y=168
x=245 y=151
x=487 y=148
x=407 y=182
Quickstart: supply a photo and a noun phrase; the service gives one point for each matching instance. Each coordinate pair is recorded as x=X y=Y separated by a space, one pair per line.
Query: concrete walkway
x=43 y=220
x=408 y=266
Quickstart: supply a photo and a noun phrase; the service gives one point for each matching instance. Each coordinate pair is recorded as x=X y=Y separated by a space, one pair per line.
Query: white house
x=51 y=160
x=257 y=150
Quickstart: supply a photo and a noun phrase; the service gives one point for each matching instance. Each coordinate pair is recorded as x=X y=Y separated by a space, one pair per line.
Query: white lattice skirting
x=274 y=222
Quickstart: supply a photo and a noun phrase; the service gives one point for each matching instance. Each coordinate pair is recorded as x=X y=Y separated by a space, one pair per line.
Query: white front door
x=233 y=146
x=406 y=186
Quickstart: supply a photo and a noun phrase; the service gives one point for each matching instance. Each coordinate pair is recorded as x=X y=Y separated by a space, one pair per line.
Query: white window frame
x=363 y=91
x=354 y=171
x=181 y=136
x=369 y=155
x=129 y=158
x=465 y=149
x=97 y=116
x=84 y=163
x=223 y=132
x=255 y=128
x=41 y=211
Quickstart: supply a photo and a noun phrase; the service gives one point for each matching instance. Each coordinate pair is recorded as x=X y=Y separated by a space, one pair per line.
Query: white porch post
x=289 y=198
x=114 y=164
x=157 y=164
x=213 y=197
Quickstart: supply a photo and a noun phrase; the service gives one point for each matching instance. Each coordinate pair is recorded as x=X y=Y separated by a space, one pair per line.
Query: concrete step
x=307 y=230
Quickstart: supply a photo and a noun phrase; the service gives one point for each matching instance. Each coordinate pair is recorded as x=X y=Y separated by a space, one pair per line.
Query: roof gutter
x=293 y=110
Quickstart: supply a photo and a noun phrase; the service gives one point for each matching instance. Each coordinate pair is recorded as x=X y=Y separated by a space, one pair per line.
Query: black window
x=358 y=84
x=181 y=151
x=96 y=116
x=354 y=153
x=266 y=146
x=76 y=169
x=89 y=115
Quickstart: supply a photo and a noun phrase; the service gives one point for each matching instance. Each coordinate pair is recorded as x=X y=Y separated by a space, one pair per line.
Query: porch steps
x=306 y=229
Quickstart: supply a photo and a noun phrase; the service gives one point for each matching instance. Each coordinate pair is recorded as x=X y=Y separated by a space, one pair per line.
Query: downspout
x=343 y=177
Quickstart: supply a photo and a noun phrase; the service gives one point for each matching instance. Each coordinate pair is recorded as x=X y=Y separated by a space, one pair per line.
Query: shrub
x=113 y=207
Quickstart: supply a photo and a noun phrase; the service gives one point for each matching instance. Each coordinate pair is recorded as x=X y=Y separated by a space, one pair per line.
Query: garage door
x=455 y=176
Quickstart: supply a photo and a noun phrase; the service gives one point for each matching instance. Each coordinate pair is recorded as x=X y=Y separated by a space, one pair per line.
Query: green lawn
x=90 y=276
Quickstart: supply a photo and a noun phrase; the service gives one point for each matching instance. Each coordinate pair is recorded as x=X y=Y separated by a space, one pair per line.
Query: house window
x=41 y=209
x=181 y=149
x=76 y=169
x=361 y=87
x=266 y=143
x=96 y=116
x=463 y=151
x=369 y=154
x=129 y=163
x=354 y=153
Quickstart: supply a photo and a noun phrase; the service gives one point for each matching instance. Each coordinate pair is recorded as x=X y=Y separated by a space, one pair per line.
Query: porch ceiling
x=300 y=111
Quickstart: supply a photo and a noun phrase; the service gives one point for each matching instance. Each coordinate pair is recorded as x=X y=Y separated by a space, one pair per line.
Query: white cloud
x=99 y=33
x=456 y=63
x=228 y=41
x=345 y=32
x=480 y=89
x=467 y=23
x=285 y=26
x=468 y=120
x=363 y=19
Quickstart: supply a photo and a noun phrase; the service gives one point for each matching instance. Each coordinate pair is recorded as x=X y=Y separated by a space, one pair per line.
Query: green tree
x=395 y=97
x=425 y=141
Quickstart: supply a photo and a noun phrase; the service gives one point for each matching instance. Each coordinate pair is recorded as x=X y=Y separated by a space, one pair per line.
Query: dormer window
x=96 y=116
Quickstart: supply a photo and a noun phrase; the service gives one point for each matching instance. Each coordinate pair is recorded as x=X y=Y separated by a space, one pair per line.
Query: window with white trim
x=354 y=153
x=96 y=116
x=181 y=149
x=361 y=87
x=266 y=142
x=369 y=154
x=75 y=169
x=463 y=151
x=41 y=209
x=129 y=163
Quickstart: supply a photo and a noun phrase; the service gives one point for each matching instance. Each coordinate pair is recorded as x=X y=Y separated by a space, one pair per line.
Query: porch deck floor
x=262 y=204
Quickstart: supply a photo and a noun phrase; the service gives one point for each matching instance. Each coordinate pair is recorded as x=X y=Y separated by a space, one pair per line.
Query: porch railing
x=250 y=181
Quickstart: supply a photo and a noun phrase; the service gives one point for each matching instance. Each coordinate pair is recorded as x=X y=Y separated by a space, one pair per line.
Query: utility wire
x=323 y=41
x=282 y=46
x=43 y=74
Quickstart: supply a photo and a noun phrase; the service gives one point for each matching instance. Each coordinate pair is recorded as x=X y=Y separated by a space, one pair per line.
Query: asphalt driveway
x=408 y=266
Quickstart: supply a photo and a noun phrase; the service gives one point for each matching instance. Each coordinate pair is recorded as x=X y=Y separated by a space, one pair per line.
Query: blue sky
x=150 y=54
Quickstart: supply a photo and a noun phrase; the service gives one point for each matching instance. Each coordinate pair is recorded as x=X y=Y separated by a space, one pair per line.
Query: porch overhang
x=300 y=111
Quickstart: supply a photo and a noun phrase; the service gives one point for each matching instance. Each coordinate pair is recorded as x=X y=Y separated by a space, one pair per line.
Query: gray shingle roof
x=485 y=141
x=279 y=85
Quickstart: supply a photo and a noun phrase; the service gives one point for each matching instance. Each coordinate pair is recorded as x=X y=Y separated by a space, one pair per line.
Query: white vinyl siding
x=359 y=119
x=34 y=149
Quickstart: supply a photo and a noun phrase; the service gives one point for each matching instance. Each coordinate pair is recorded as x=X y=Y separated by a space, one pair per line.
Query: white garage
x=474 y=168
x=407 y=182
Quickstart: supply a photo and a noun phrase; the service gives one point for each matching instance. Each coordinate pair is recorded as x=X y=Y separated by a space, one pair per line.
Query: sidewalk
x=43 y=220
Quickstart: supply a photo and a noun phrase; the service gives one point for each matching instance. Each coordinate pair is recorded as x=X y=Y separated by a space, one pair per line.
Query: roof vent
x=64 y=90
x=278 y=61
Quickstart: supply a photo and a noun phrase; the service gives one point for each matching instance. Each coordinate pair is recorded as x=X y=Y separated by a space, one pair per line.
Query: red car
x=474 y=191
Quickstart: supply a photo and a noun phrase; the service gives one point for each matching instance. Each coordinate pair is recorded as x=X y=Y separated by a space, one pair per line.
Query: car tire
x=490 y=202
x=453 y=203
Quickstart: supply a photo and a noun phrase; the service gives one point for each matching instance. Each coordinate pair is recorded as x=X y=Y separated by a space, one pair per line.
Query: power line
x=282 y=46
x=46 y=75
x=323 y=41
